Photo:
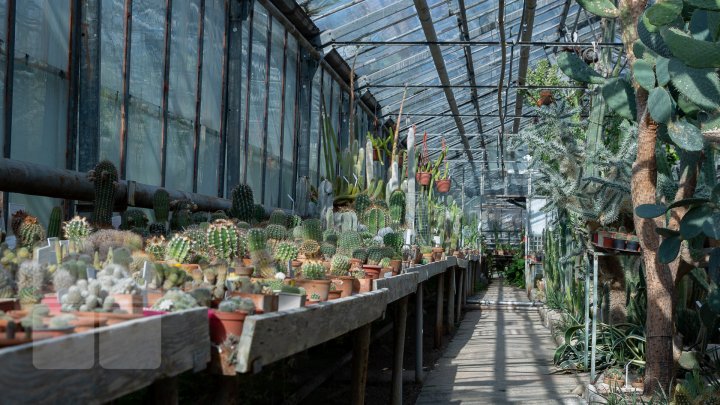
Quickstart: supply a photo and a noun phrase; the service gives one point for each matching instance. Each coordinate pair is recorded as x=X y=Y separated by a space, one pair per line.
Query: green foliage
x=242 y=203
x=394 y=240
x=700 y=86
x=515 y=272
x=576 y=69
x=104 y=177
x=620 y=97
x=376 y=218
x=55 y=222
x=601 y=8
x=286 y=251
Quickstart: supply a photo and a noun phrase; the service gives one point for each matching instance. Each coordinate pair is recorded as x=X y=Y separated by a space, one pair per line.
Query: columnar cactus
x=256 y=239
x=31 y=232
x=182 y=214
x=76 y=229
x=178 y=248
x=54 y=225
x=375 y=218
x=310 y=248
x=223 y=239
x=286 y=251
x=104 y=177
x=397 y=208
x=133 y=218
x=340 y=265
x=312 y=229
x=393 y=240
x=258 y=213
x=161 y=205
x=348 y=242
x=313 y=270
x=242 y=203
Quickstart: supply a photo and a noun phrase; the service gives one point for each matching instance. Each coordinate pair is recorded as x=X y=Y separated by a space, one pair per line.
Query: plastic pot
x=618 y=244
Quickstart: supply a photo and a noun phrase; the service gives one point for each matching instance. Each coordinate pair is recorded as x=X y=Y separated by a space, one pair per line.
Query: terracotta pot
x=638 y=384
x=428 y=257
x=443 y=185
x=244 y=271
x=9 y=304
x=4 y=342
x=372 y=272
x=247 y=262
x=386 y=272
x=39 y=334
x=333 y=295
x=130 y=303
x=189 y=268
x=437 y=253
x=152 y=298
x=344 y=284
x=396 y=265
x=266 y=303
x=311 y=302
x=365 y=285
x=423 y=178
x=319 y=287
x=355 y=264
x=51 y=301
x=115 y=318
x=223 y=324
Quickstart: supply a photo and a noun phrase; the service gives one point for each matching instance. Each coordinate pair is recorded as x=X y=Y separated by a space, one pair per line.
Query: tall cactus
x=55 y=223
x=397 y=208
x=243 y=202
x=161 y=205
x=104 y=177
x=376 y=218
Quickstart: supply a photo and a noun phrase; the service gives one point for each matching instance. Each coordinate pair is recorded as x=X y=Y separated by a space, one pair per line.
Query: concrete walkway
x=499 y=356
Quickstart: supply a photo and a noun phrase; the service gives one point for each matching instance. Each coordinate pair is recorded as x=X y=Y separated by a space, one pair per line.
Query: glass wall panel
x=39 y=122
x=182 y=94
x=210 y=113
x=288 y=152
x=256 y=117
x=146 y=83
x=327 y=114
x=315 y=126
x=275 y=121
x=3 y=62
x=112 y=46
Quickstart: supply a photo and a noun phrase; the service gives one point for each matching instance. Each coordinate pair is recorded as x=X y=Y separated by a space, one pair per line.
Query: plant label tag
x=116 y=221
x=45 y=255
x=148 y=272
x=91 y=273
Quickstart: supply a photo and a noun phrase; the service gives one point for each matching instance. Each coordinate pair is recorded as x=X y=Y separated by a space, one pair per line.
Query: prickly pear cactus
x=104 y=177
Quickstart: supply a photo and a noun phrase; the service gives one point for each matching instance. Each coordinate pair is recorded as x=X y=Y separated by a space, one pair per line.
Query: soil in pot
x=223 y=324
x=319 y=287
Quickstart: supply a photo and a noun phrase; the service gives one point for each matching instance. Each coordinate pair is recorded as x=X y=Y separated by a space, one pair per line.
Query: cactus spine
x=312 y=229
x=286 y=251
x=312 y=270
x=256 y=239
x=340 y=265
x=104 y=177
x=178 y=248
x=31 y=232
x=55 y=223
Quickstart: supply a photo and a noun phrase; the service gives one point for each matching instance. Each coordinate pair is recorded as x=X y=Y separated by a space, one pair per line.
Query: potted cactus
x=340 y=270
x=229 y=318
x=443 y=183
x=619 y=239
x=291 y=297
x=614 y=378
x=334 y=293
x=314 y=279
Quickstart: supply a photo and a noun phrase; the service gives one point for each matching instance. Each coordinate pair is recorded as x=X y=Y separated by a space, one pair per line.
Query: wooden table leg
x=399 y=350
x=361 y=350
x=419 y=334
x=452 y=291
x=439 y=311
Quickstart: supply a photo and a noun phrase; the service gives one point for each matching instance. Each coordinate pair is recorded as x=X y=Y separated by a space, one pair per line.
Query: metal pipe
x=125 y=106
x=198 y=96
x=465 y=86
x=36 y=179
x=224 y=102
x=472 y=43
x=165 y=91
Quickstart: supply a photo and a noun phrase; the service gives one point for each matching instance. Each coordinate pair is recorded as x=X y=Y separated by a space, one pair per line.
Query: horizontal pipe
x=474 y=43
x=466 y=86
x=36 y=179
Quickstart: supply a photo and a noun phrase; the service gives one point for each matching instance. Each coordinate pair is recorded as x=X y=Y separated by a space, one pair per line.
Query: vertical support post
x=165 y=92
x=419 y=334
x=439 y=311
x=163 y=392
x=361 y=350
x=399 y=350
x=125 y=106
x=460 y=295
x=197 y=127
x=410 y=197
x=231 y=149
x=89 y=86
x=452 y=291
x=595 y=315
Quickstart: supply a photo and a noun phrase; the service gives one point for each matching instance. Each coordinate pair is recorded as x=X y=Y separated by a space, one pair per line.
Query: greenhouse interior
x=360 y=201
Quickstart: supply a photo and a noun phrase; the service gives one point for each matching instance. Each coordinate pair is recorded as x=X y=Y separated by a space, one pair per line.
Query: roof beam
x=526 y=36
x=429 y=29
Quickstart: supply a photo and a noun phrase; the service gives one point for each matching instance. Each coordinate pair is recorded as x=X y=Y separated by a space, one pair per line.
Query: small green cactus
x=200 y=217
x=29 y=296
x=330 y=236
x=157 y=229
x=218 y=215
x=385 y=262
x=340 y=265
x=310 y=248
x=156 y=247
x=286 y=251
x=394 y=241
x=104 y=177
x=133 y=218
x=76 y=229
x=31 y=232
x=362 y=202
x=376 y=218
x=312 y=270
x=360 y=254
x=276 y=232
x=258 y=213
x=348 y=242
x=375 y=254
x=6 y=284
x=55 y=222
x=295 y=220
x=264 y=263
x=256 y=238
x=178 y=248
x=312 y=229
x=328 y=250
x=242 y=203
x=181 y=215
x=279 y=217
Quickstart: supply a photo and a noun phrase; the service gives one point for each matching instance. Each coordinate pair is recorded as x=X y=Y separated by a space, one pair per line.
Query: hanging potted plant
x=380 y=147
x=443 y=183
x=424 y=170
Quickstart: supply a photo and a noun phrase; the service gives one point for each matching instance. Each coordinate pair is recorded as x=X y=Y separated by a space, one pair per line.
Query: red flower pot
x=443 y=185
x=423 y=178
x=224 y=324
